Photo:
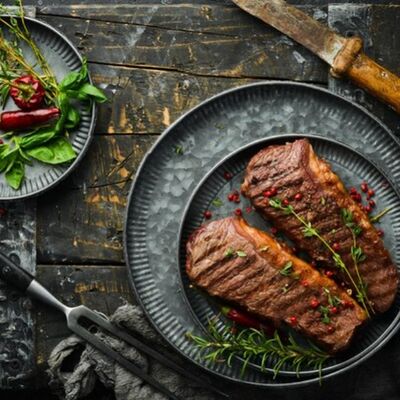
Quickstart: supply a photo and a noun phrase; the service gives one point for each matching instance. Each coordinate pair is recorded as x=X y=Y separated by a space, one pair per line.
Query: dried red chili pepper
x=27 y=93
x=17 y=120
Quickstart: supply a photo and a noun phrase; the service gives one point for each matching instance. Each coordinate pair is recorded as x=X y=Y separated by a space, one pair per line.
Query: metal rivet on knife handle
x=344 y=55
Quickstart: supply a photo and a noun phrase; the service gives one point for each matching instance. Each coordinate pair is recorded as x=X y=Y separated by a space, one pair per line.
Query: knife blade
x=344 y=55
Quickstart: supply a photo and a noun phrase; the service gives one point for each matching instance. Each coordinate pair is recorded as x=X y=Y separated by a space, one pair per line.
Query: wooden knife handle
x=366 y=73
x=376 y=80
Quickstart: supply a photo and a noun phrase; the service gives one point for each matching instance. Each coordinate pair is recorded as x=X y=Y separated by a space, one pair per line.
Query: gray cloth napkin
x=91 y=366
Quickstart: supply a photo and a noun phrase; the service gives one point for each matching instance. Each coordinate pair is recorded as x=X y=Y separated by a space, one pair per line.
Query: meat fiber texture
x=295 y=168
x=245 y=266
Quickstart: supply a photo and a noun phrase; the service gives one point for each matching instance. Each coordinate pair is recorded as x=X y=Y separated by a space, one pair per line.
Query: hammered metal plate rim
x=138 y=177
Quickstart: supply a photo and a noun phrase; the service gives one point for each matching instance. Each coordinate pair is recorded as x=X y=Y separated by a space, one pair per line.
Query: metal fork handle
x=13 y=274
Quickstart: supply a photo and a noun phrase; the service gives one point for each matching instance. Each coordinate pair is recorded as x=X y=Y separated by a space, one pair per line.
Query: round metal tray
x=353 y=168
x=207 y=134
x=63 y=58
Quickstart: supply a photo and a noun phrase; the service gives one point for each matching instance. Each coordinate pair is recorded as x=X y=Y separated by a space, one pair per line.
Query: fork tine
x=130 y=366
x=144 y=348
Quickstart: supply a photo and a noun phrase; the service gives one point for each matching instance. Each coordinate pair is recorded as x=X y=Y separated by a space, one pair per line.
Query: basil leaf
x=76 y=94
x=63 y=105
x=15 y=175
x=8 y=157
x=73 y=118
x=37 y=138
x=74 y=80
x=95 y=93
x=4 y=92
x=4 y=159
x=56 y=152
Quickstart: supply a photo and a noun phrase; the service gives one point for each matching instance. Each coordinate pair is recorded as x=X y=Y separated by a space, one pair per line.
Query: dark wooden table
x=156 y=60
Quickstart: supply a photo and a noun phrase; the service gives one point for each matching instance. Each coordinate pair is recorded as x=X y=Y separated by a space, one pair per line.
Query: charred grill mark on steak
x=255 y=283
x=294 y=168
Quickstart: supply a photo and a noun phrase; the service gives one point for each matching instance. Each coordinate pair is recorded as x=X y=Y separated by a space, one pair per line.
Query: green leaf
x=37 y=138
x=287 y=269
x=93 y=92
x=309 y=231
x=15 y=175
x=275 y=203
x=74 y=80
x=56 y=152
x=73 y=118
x=179 y=150
x=325 y=314
x=357 y=254
x=241 y=253
x=229 y=253
x=217 y=202
x=4 y=92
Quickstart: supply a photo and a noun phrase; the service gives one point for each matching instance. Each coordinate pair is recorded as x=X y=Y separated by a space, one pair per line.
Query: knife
x=344 y=55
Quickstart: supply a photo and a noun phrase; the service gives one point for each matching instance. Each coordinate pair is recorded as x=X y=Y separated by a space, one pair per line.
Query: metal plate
x=353 y=168
x=166 y=180
x=63 y=58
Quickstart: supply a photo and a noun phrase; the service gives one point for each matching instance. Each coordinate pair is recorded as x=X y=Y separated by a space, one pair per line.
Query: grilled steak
x=294 y=169
x=238 y=263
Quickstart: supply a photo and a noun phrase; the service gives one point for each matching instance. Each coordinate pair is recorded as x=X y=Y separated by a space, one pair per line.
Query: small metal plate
x=63 y=58
x=207 y=134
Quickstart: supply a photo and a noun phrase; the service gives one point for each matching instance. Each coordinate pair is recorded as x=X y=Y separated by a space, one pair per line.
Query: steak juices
x=292 y=187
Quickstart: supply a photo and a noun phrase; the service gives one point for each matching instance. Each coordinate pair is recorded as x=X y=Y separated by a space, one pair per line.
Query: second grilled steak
x=293 y=174
x=243 y=265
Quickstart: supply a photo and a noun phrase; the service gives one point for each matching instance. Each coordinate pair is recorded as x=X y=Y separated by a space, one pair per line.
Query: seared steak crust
x=238 y=263
x=295 y=168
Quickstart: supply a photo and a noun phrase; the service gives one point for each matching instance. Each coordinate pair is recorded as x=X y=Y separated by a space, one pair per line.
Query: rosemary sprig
x=310 y=231
x=254 y=345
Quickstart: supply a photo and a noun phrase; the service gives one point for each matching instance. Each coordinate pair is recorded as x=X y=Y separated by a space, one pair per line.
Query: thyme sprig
x=15 y=60
x=253 y=345
x=310 y=231
x=357 y=256
x=377 y=217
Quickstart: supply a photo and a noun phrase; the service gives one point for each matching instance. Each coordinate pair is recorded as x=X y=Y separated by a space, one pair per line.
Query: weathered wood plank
x=148 y=101
x=205 y=17
x=103 y=289
x=202 y=2
x=81 y=221
x=245 y=48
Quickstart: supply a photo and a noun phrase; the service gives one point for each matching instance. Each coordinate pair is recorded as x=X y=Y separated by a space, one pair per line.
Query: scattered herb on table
x=48 y=109
x=253 y=345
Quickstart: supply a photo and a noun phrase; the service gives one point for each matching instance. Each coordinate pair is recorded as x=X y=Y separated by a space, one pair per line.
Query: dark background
x=143 y=57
